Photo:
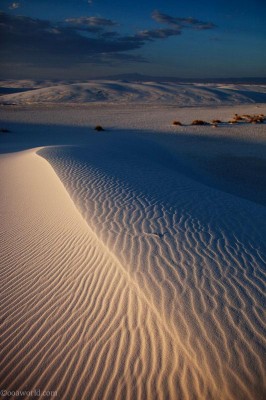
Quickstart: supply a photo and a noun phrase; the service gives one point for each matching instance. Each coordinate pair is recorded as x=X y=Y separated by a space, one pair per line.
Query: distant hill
x=122 y=91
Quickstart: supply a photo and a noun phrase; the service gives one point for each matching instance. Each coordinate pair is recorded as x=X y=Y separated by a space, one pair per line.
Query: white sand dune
x=133 y=264
x=144 y=92
x=73 y=319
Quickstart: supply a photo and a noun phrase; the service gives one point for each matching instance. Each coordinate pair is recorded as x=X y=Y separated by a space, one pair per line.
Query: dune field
x=132 y=259
x=30 y=92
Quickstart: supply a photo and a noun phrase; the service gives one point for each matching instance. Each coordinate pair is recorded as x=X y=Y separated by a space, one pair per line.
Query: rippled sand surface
x=132 y=265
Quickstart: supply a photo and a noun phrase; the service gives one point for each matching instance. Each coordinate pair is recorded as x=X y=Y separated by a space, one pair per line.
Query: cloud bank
x=83 y=40
x=29 y=40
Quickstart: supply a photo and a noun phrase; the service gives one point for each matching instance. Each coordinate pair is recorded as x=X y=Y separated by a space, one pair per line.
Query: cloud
x=38 y=42
x=91 y=21
x=86 y=41
x=164 y=19
x=14 y=5
x=181 y=23
x=157 y=34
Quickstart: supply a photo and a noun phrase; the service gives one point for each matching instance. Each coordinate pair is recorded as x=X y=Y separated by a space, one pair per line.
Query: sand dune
x=181 y=242
x=73 y=320
x=129 y=268
x=145 y=92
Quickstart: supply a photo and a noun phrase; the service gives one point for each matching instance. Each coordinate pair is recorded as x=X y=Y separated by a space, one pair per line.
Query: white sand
x=133 y=263
x=133 y=92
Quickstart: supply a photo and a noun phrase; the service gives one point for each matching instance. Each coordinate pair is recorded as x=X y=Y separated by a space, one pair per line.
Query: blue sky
x=81 y=39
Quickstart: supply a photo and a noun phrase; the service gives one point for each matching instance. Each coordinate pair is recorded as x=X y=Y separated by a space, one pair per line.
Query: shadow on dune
x=10 y=90
x=231 y=165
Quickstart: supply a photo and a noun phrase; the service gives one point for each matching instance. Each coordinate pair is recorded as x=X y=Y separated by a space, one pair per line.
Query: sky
x=87 y=39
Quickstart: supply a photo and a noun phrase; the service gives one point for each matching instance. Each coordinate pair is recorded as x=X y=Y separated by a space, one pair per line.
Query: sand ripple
x=196 y=258
x=153 y=290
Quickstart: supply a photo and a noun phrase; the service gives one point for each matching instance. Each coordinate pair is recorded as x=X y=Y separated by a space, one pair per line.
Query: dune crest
x=72 y=319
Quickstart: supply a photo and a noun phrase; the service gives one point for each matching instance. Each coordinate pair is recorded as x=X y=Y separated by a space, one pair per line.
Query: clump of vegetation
x=199 y=122
x=238 y=118
x=256 y=119
x=252 y=119
x=245 y=118
x=4 y=130
x=98 y=128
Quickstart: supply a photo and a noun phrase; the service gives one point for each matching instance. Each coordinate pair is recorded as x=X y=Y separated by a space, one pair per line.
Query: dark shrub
x=238 y=118
x=255 y=119
x=199 y=122
x=98 y=128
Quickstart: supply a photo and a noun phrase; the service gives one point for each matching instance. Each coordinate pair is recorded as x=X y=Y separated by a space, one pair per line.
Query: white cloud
x=91 y=21
x=180 y=22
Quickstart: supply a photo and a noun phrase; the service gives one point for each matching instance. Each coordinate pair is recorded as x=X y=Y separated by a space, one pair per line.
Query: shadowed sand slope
x=73 y=319
x=196 y=254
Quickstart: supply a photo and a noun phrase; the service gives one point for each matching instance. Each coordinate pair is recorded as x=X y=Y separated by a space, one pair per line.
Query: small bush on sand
x=256 y=119
x=199 y=122
x=216 y=121
x=238 y=117
x=98 y=128
x=177 y=123
x=251 y=119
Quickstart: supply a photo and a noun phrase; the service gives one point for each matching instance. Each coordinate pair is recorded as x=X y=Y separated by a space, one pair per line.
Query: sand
x=132 y=260
x=124 y=92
